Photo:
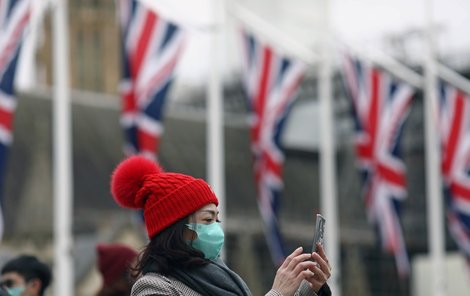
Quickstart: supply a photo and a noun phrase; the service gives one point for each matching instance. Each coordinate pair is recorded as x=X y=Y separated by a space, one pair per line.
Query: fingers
x=294 y=259
x=321 y=252
x=317 y=278
x=302 y=265
x=292 y=256
x=293 y=270
x=322 y=264
x=321 y=270
x=306 y=274
x=297 y=262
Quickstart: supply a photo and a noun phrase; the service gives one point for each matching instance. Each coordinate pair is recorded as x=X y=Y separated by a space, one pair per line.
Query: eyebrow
x=214 y=213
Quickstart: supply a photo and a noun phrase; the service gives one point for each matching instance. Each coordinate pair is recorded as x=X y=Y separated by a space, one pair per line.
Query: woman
x=182 y=257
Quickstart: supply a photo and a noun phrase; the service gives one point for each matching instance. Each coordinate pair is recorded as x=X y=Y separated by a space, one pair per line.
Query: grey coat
x=153 y=284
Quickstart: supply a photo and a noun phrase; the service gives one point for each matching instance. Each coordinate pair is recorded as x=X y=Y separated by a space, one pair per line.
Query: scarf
x=213 y=279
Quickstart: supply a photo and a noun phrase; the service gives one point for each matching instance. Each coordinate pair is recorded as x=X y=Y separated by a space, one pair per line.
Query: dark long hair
x=168 y=251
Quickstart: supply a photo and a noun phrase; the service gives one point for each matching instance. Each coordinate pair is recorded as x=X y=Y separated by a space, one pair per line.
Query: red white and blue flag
x=454 y=127
x=271 y=82
x=151 y=47
x=14 y=17
x=380 y=105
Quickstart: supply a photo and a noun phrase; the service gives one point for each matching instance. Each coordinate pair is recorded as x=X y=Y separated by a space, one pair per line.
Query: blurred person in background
x=182 y=257
x=25 y=275
x=114 y=265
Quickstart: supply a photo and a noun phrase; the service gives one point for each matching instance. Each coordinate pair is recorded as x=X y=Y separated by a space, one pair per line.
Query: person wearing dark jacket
x=25 y=275
x=182 y=257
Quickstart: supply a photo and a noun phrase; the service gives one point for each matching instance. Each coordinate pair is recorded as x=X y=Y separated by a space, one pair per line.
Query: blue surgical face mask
x=16 y=291
x=210 y=239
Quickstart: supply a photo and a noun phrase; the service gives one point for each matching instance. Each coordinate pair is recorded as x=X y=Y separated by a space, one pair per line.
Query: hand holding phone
x=319 y=232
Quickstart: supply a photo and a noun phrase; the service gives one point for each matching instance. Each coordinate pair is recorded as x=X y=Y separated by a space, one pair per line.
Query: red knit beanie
x=113 y=261
x=139 y=183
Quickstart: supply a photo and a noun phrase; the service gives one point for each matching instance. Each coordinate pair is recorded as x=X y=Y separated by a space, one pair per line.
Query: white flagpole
x=453 y=78
x=433 y=175
x=62 y=175
x=215 y=126
x=328 y=153
x=390 y=64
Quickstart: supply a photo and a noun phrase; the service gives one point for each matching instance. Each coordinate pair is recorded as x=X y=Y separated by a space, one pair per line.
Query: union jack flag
x=454 y=127
x=380 y=105
x=151 y=47
x=271 y=81
x=14 y=17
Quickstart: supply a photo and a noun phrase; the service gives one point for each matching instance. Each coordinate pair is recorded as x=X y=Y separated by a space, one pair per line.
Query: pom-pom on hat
x=139 y=183
x=113 y=261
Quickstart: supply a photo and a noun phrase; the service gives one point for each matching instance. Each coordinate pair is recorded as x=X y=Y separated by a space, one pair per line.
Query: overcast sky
x=359 y=22
x=356 y=21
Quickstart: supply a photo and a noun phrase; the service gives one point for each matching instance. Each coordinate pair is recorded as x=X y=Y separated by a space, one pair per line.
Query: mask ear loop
x=191 y=226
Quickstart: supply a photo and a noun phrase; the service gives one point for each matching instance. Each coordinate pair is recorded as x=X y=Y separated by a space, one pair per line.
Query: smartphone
x=318 y=237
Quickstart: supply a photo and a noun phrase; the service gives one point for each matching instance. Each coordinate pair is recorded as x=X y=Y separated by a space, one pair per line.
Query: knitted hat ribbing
x=139 y=183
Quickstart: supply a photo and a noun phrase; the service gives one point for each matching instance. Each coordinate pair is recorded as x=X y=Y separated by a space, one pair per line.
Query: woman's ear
x=189 y=234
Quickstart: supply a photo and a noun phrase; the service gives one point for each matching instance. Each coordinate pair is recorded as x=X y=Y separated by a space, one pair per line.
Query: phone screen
x=318 y=237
